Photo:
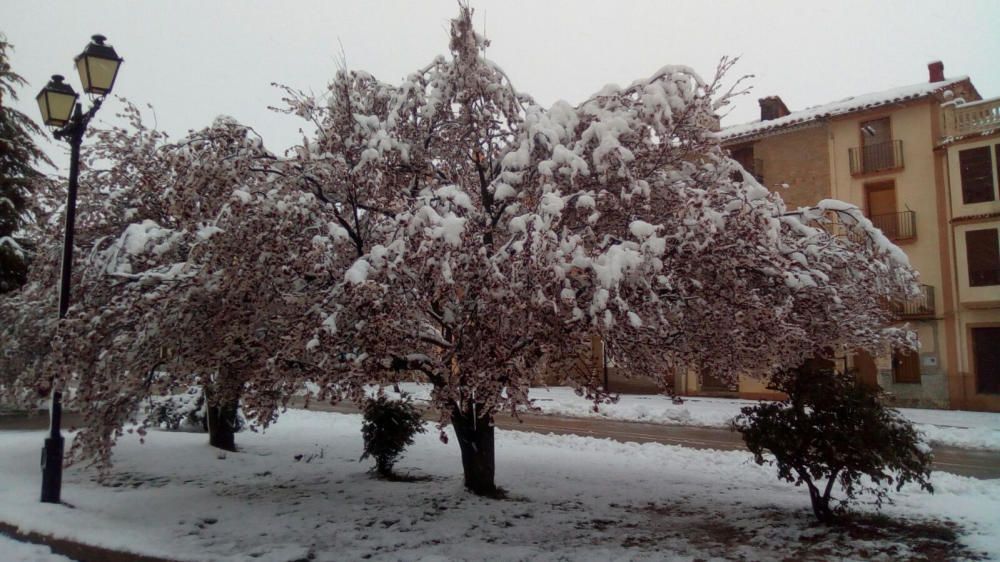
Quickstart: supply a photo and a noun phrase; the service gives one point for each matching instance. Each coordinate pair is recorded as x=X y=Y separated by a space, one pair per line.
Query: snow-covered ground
x=974 y=430
x=14 y=551
x=297 y=491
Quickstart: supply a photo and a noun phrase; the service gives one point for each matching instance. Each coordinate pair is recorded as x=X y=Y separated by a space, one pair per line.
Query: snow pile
x=14 y=551
x=358 y=272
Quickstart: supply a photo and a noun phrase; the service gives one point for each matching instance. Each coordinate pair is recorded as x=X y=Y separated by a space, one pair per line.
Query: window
x=744 y=155
x=976 y=167
x=906 y=367
x=982 y=249
x=876 y=131
x=712 y=383
x=986 y=357
x=877 y=147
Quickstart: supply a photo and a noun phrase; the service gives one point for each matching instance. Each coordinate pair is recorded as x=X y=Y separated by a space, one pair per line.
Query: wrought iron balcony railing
x=897 y=226
x=922 y=306
x=876 y=157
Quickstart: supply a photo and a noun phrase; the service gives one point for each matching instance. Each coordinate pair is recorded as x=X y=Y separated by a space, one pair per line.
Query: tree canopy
x=450 y=227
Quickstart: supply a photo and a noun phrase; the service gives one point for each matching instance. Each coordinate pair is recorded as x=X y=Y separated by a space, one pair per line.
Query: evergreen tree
x=18 y=157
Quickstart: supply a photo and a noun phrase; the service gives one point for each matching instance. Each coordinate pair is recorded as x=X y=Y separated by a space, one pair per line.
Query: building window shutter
x=986 y=357
x=982 y=248
x=996 y=160
x=976 y=168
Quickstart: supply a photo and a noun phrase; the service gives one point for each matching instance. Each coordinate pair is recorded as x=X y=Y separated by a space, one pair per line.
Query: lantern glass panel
x=56 y=107
x=43 y=107
x=97 y=74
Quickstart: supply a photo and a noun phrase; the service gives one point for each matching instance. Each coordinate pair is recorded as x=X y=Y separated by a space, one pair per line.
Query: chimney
x=771 y=108
x=936 y=71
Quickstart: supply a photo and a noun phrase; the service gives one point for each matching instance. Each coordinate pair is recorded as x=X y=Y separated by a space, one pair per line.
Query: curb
x=78 y=551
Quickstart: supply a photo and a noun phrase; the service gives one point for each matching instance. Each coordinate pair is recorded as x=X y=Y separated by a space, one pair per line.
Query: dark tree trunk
x=475 y=439
x=820 y=504
x=222 y=421
x=384 y=471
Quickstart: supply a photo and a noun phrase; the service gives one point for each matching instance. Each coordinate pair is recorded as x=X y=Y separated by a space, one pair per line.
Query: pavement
x=81 y=552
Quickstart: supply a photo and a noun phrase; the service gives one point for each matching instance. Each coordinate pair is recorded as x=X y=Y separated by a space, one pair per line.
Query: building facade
x=923 y=163
x=970 y=149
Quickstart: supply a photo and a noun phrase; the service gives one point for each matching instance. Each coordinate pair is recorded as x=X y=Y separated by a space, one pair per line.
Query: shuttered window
x=976 y=168
x=986 y=355
x=982 y=248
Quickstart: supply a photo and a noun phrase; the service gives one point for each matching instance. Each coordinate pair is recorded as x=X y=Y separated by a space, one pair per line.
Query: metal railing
x=840 y=230
x=916 y=307
x=961 y=119
x=876 y=157
x=897 y=226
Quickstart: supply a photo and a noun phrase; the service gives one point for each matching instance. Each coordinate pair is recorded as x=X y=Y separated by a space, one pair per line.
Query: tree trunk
x=820 y=505
x=222 y=421
x=384 y=471
x=475 y=439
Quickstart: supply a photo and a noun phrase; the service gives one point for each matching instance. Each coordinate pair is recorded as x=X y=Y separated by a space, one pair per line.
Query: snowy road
x=964 y=462
x=954 y=460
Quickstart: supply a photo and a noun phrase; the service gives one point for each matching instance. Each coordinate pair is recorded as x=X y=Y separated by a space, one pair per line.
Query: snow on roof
x=841 y=107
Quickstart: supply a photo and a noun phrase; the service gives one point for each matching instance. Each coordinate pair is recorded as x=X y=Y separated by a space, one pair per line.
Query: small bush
x=181 y=412
x=829 y=430
x=388 y=428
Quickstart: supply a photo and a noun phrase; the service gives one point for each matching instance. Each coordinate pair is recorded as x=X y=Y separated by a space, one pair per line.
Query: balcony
x=878 y=157
x=918 y=307
x=960 y=119
x=897 y=226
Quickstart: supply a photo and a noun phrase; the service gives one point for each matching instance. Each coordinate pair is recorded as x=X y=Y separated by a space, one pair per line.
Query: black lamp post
x=98 y=67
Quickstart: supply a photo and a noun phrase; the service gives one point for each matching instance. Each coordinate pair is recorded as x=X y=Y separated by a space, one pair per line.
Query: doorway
x=880 y=203
x=866 y=369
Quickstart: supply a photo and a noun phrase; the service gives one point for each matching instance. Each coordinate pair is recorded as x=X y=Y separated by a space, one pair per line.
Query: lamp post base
x=52 y=459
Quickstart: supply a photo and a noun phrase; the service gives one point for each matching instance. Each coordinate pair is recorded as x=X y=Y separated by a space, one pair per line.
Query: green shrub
x=834 y=430
x=388 y=428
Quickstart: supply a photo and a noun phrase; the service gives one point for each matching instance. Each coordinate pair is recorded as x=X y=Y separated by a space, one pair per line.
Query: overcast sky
x=193 y=60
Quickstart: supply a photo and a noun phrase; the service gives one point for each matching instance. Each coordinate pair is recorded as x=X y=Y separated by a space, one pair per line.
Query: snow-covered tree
x=502 y=233
x=19 y=158
x=450 y=226
x=195 y=260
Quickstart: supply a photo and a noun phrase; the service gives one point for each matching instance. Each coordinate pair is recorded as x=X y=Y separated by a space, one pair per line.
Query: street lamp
x=56 y=102
x=98 y=67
